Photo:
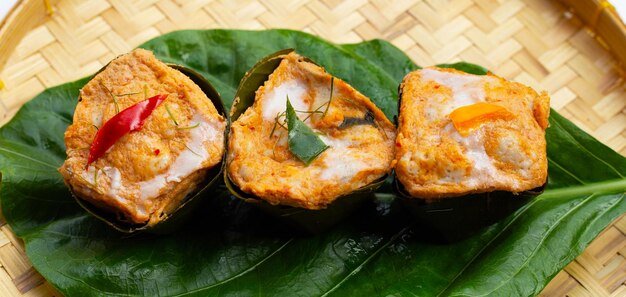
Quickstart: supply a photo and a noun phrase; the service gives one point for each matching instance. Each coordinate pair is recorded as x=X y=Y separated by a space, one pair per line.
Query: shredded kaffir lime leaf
x=186 y=146
x=325 y=104
x=330 y=97
x=169 y=112
x=117 y=106
x=279 y=121
x=126 y=94
x=188 y=127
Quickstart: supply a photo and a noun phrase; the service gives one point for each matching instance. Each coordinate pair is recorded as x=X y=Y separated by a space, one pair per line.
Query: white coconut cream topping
x=116 y=180
x=466 y=90
x=341 y=161
x=113 y=176
x=187 y=162
x=116 y=187
x=483 y=169
x=275 y=100
x=509 y=151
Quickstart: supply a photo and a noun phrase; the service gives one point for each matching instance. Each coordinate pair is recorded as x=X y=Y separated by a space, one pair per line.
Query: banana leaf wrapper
x=456 y=218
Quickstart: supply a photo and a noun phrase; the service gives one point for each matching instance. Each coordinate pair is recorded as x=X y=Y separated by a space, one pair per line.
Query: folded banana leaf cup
x=457 y=218
x=301 y=219
x=175 y=219
x=310 y=221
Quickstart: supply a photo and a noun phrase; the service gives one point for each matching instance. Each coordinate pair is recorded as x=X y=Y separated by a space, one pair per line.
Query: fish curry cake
x=147 y=173
x=359 y=136
x=462 y=134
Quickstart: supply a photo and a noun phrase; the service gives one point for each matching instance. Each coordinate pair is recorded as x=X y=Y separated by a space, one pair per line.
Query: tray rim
x=609 y=30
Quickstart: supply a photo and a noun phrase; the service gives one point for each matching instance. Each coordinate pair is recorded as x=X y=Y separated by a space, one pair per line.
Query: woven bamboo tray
x=537 y=42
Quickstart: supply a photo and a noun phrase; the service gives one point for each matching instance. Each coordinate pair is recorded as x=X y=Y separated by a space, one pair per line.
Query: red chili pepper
x=127 y=120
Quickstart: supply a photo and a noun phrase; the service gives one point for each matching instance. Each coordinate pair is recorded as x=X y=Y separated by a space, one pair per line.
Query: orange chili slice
x=467 y=118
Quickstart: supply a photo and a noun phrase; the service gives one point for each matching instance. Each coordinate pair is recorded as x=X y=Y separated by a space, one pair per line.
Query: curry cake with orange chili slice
x=148 y=172
x=356 y=139
x=460 y=134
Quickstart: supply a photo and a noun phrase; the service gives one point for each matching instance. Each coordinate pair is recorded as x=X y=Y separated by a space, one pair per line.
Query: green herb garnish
x=325 y=104
x=171 y=114
x=330 y=97
x=167 y=108
x=186 y=146
x=277 y=123
x=126 y=94
x=307 y=111
x=188 y=127
x=317 y=110
x=117 y=106
x=303 y=142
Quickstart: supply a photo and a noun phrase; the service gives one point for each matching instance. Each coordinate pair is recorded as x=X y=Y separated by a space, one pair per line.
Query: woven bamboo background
x=537 y=42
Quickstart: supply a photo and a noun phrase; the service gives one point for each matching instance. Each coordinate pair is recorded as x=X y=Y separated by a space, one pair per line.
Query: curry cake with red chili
x=358 y=138
x=147 y=173
x=460 y=134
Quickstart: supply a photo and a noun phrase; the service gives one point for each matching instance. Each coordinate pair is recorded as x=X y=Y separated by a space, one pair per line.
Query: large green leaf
x=231 y=248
